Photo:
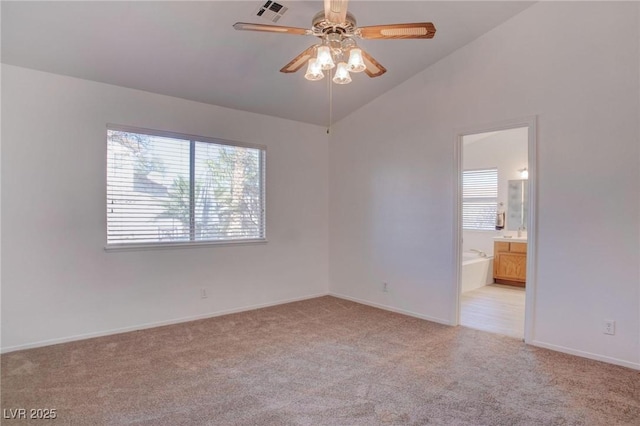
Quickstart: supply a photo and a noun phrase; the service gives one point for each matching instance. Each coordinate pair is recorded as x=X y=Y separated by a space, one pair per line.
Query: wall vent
x=271 y=11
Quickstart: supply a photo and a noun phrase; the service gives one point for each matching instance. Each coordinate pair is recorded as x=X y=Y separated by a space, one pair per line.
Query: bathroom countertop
x=511 y=239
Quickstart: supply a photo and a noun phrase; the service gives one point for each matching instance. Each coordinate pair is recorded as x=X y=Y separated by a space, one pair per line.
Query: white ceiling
x=190 y=50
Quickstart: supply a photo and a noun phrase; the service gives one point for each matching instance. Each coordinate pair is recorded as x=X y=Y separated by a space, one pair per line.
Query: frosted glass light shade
x=524 y=174
x=342 y=74
x=314 y=70
x=356 y=63
x=324 y=58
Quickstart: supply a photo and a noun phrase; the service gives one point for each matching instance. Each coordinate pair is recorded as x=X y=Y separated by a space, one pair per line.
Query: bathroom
x=494 y=230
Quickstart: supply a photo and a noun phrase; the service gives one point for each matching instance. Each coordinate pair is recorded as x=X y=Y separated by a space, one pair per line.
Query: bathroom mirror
x=517 y=204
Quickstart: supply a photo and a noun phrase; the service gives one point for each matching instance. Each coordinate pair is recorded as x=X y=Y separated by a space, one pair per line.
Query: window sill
x=179 y=245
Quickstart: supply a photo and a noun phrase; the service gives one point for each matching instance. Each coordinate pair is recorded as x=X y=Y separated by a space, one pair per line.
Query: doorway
x=495 y=228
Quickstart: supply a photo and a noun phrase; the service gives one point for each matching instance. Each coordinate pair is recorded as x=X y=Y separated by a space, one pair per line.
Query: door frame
x=530 y=123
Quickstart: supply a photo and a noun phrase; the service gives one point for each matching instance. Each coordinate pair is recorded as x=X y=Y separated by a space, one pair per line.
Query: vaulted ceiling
x=190 y=49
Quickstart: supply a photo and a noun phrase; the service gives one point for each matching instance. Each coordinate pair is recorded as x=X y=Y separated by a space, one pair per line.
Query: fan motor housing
x=322 y=26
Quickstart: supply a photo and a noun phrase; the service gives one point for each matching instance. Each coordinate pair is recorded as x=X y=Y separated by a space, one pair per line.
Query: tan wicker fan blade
x=374 y=69
x=299 y=61
x=244 y=26
x=399 y=31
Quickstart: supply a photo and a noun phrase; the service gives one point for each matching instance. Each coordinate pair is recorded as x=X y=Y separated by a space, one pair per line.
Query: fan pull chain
x=330 y=102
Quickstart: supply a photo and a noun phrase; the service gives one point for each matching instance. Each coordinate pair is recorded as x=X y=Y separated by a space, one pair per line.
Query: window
x=165 y=188
x=479 y=199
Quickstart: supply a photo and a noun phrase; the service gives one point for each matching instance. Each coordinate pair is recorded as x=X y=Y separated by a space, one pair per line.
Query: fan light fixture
x=328 y=54
x=314 y=70
x=324 y=58
x=342 y=74
x=356 y=63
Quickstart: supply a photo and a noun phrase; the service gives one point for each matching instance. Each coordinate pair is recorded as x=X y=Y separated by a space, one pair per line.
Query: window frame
x=192 y=139
x=462 y=201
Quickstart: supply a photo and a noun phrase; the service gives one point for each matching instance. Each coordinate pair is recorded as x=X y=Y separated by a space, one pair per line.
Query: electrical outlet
x=203 y=293
x=609 y=327
x=385 y=287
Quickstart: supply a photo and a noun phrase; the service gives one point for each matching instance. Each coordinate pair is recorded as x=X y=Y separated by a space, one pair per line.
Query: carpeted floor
x=323 y=361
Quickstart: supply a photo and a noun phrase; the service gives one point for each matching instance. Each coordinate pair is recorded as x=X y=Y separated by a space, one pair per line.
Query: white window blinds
x=165 y=188
x=479 y=199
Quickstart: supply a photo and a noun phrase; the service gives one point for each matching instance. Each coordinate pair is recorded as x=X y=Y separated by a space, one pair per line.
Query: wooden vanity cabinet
x=510 y=263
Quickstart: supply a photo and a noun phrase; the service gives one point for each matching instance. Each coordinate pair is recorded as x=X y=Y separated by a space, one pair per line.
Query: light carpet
x=323 y=361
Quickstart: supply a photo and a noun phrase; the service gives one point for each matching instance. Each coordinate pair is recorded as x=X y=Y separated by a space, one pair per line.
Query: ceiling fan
x=338 y=31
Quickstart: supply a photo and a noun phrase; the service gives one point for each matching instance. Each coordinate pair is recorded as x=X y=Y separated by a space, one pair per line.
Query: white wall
x=392 y=175
x=57 y=281
x=505 y=150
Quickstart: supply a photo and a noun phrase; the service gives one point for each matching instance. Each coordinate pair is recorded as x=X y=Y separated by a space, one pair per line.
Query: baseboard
x=584 y=354
x=390 y=308
x=154 y=324
x=537 y=343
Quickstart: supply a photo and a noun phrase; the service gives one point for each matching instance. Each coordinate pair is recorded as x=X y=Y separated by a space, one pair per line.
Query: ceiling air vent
x=271 y=11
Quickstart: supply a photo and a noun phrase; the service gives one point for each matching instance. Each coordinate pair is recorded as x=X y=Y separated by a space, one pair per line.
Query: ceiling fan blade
x=335 y=11
x=399 y=31
x=244 y=26
x=299 y=61
x=374 y=69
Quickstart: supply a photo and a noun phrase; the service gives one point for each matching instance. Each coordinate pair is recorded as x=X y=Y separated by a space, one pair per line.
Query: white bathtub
x=477 y=271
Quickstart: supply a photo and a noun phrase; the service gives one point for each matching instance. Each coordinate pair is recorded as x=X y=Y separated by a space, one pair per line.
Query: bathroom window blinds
x=479 y=199
x=165 y=188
